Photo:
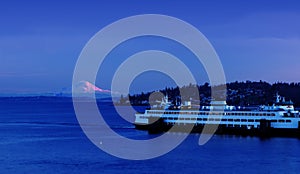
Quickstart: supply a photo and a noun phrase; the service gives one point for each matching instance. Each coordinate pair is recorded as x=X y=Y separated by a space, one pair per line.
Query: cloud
x=21 y=74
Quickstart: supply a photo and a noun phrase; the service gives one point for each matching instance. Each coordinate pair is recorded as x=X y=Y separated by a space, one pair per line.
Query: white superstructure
x=281 y=115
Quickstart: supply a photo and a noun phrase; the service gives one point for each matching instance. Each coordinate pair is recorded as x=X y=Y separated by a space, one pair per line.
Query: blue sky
x=41 y=41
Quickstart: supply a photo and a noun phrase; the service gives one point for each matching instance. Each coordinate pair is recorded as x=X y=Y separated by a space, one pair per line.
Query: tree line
x=237 y=93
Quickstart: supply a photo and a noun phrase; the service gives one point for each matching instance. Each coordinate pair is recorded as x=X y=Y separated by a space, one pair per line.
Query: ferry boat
x=279 y=119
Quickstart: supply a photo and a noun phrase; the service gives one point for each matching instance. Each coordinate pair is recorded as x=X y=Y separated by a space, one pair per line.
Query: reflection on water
x=45 y=137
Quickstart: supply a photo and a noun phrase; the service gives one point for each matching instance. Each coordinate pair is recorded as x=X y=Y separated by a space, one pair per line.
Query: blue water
x=44 y=137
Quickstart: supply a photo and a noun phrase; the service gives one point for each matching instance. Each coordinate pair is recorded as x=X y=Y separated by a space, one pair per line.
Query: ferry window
x=230 y=119
x=256 y=114
x=281 y=121
x=268 y=114
x=237 y=120
x=257 y=120
x=250 y=120
x=288 y=121
x=273 y=114
x=204 y=119
x=217 y=119
x=224 y=119
x=264 y=114
x=211 y=119
x=253 y=114
x=274 y=121
x=243 y=120
x=193 y=118
x=199 y=119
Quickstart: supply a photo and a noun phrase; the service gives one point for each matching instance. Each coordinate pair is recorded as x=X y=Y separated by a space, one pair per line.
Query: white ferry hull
x=228 y=122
